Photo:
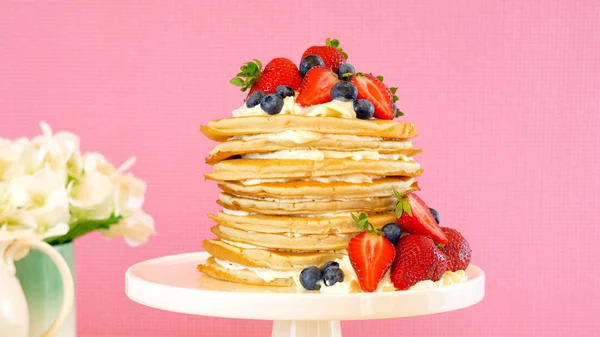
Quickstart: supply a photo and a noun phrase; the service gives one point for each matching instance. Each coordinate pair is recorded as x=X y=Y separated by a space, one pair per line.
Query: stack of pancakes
x=290 y=184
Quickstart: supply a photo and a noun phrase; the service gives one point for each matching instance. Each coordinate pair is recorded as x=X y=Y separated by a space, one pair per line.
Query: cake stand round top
x=173 y=283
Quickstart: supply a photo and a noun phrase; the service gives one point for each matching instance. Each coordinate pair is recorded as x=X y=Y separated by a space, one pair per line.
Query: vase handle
x=65 y=273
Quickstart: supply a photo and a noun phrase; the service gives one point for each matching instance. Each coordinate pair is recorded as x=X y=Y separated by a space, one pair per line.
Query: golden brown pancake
x=298 y=206
x=242 y=169
x=281 y=224
x=309 y=242
x=263 y=258
x=318 y=190
x=243 y=276
x=239 y=147
x=221 y=130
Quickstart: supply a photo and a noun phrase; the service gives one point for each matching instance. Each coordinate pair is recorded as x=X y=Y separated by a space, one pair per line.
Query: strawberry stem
x=249 y=74
x=335 y=43
x=363 y=223
x=402 y=205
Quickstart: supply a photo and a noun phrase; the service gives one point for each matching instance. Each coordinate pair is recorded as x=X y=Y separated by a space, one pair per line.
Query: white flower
x=38 y=202
x=129 y=193
x=18 y=158
x=57 y=149
x=7 y=238
x=136 y=226
x=47 y=184
x=92 y=196
x=95 y=162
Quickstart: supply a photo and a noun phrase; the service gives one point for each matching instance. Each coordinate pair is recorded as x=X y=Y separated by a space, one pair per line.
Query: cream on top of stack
x=290 y=184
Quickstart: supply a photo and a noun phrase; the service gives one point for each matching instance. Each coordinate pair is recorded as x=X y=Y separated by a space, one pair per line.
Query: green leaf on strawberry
x=249 y=74
x=335 y=43
x=402 y=205
x=363 y=223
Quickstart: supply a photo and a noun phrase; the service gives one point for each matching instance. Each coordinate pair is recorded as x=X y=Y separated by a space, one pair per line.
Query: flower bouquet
x=51 y=191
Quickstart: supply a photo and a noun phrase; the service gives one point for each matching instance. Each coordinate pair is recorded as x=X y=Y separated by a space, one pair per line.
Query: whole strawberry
x=417 y=259
x=457 y=250
x=279 y=71
x=331 y=54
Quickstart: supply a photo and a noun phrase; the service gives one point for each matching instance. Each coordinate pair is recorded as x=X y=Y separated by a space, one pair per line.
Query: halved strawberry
x=315 y=86
x=417 y=259
x=373 y=90
x=415 y=217
x=331 y=54
x=280 y=71
x=370 y=253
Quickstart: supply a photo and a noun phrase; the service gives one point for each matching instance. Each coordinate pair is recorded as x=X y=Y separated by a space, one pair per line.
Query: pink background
x=506 y=95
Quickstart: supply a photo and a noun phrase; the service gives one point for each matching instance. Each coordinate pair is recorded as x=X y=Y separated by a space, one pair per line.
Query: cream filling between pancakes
x=348 y=178
x=317 y=155
x=303 y=136
x=320 y=215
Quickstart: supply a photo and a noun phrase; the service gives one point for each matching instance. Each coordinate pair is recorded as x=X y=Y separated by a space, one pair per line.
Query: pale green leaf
x=237 y=81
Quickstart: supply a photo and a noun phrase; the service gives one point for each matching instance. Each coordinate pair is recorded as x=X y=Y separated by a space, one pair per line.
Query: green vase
x=43 y=290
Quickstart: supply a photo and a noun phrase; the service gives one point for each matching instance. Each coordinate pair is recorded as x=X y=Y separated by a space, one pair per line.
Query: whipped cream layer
x=303 y=136
x=249 y=246
x=348 y=178
x=297 y=200
x=266 y=274
x=317 y=155
x=350 y=283
x=320 y=215
x=333 y=108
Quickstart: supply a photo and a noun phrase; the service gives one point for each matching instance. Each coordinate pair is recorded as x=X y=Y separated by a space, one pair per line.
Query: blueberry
x=284 y=91
x=309 y=278
x=392 y=232
x=364 y=109
x=309 y=62
x=255 y=99
x=272 y=104
x=345 y=68
x=435 y=214
x=344 y=91
x=333 y=275
x=330 y=264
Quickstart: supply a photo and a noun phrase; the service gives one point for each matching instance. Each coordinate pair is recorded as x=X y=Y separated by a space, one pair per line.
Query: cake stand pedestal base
x=173 y=283
x=306 y=328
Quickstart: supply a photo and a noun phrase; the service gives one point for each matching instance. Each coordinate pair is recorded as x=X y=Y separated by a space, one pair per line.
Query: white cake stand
x=172 y=283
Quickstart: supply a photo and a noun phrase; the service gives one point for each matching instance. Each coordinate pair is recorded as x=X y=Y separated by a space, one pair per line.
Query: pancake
x=305 y=206
x=309 y=242
x=221 y=130
x=279 y=224
x=244 y=276
x=239 y=147
x=262 y=258
x=318 y=190
x=242 y=169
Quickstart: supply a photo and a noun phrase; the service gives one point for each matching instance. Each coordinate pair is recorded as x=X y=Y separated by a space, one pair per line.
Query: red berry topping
x=417 y=259
x=372 y=89
x=371 y=254
x=331 y=54
x=457 y=250
x=415 y=217
x=315 y=86
x=279 y=71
